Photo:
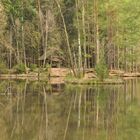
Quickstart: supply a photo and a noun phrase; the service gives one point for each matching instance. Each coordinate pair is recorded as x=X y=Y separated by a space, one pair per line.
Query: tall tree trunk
x=23 y=46
x=15 y=33
x=84 y=34
x=67 y=39
x=96 y=22
x=79 y=40
x=46 y=39
x=10 y=51
x=23 y=38
x=40 y=14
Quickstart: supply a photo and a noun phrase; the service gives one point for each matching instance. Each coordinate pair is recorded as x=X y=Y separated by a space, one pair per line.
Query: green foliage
x=69 y=76
x=102 y=70
x=3 y=69
x=33 y=67
x=20 y=68
x=21 y=17
x=47 y=68
x=69 y=14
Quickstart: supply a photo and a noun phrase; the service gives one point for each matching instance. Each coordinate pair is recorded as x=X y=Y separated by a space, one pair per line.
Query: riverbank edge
x=108 y=81
x=56 y=78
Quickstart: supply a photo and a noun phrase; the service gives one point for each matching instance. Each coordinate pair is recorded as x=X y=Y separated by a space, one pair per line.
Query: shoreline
x=63 y=80
x=59 y=76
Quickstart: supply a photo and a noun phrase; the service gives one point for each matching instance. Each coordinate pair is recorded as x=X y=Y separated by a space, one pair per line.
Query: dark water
x=38 y=111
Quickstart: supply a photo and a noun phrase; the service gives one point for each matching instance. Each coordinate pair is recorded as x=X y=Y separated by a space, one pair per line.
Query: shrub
x=47 y=67
x=101 y=70
x=3 y=69
x=33 y=67
x=20 y=68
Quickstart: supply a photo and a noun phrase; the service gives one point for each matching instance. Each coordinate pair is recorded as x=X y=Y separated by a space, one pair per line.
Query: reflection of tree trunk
x=132 y=89
x=117 y=110
x=46 y=114
x=97 y=108
x=17 y=111
x=16 y=123
x=96 y=112
x=43 y=131
x=136 y=84
x=75 y=98
x=41 y=125
x=125 y=94
x=10 y=93
x=79 y=109
x=84 y=116
x=23 y=105
x=68 y=118
x=88 y=110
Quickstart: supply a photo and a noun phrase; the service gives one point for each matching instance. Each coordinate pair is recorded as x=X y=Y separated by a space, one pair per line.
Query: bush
x=33 y=67
x=101 y=70
x=3 y=68
x=20 y=68
x=47 y=67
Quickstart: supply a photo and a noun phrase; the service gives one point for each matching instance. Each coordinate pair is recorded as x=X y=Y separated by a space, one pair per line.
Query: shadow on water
x=39 y=111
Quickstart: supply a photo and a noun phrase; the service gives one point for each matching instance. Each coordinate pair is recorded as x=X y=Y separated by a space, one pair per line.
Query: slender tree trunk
x=118 y=48
x=132 y=64
x=96 y=31
x=46 y=40
x=84 y=34
x=15 y=33
x=10 y=51
x=41 y=20
x=67 y=39
x=23 y=38
x=79 y=40
x=23 y=46
x=125 y=61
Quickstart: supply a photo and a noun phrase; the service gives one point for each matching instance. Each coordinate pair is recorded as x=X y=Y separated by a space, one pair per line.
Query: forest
x=69 y=69
x=76 y=34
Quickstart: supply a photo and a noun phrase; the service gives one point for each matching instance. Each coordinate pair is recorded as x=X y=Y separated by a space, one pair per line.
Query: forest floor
x=58 y=76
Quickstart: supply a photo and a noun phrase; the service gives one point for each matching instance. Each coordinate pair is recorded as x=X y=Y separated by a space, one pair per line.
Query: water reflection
x=38 y=111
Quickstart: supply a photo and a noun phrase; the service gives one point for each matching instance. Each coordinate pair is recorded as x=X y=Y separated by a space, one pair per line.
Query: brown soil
x=59 y=72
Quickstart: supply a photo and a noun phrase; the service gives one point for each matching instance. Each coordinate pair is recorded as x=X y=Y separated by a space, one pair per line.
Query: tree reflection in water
x=38 y=111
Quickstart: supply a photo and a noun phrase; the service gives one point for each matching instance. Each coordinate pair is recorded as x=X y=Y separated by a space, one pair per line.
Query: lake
x=39 y=111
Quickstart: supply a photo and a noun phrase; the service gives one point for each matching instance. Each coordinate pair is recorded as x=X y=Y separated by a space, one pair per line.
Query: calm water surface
x=38 y=111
